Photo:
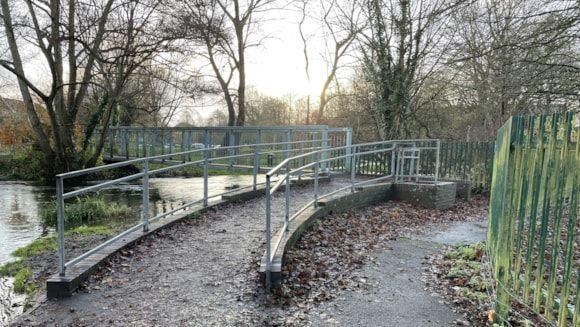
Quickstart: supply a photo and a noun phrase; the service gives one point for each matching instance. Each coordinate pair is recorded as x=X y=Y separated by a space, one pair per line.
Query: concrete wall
x=437 y=196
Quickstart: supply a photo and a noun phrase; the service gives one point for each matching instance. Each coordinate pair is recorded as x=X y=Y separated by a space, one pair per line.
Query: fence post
x=231 y=142
x=324 y=147
x=289 y=143
x=352 y=164
x=348 y=141
x=126 y=143
x=267 y=235
x=437 y=160
x=498 y=233
x=170 y=144
x=60 y=225
x=316 y=180
x=256 y=169
x=205 y=167
x=153 y=142
x=146 y=196
x=287 y=196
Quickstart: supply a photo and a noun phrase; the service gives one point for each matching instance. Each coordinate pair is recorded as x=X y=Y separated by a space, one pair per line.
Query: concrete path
x=397 y=296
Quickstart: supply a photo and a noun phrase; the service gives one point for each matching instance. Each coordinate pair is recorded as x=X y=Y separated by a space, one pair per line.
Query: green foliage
x=10 y=269
x=91 y=230
x=469 y=253
x=22 y=284
x=40 y=245
x=86 y=211
x=27 y=164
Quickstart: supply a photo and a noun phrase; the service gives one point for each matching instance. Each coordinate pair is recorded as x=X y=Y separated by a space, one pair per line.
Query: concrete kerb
x=363 y=196
x=440 y=195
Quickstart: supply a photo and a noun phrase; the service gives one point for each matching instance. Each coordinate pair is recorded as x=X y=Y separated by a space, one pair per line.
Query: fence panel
x=467 y=161
x=533 y=227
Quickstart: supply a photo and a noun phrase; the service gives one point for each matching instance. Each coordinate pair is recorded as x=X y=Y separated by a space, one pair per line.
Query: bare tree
x=231 y=27
x=77 y=40
x=342 y=22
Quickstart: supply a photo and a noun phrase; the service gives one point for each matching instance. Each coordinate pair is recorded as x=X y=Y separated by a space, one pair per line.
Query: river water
x=21 y=205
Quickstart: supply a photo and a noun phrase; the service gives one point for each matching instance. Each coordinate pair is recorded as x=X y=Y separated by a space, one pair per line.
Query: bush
x=27 y=164
x=86 y=211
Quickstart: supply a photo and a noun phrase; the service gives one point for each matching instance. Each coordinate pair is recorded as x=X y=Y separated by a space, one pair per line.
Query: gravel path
x=199 y=272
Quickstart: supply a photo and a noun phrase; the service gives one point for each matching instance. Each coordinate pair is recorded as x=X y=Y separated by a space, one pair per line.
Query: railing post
x=288 y=144
x=183 y=139
x=231 y=142
x=137 y=143
x=255 y=168
x=349 y=149
x=126 y=142
x=257 y=149
x=146 y=196
x=60 y=225
x=287 y=195
x=437 y=160
x=393 y=161
x=352 y=162
x=316 y=180
x=189 y=142
x=205 y=167
x=170 y=144
x=324 y=147
x=153 y=142
x=205 y=176
x=267 y=235
x=144 y=136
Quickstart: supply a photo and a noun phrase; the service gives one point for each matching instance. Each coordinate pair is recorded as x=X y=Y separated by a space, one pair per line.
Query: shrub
x=86 y=211
x=27 y=164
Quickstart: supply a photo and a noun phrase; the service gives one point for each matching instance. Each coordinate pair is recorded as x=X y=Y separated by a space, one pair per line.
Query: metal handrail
x=394 y=147
x=209 y=157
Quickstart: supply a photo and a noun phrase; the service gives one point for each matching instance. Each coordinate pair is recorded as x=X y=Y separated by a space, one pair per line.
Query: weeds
x=86 y=211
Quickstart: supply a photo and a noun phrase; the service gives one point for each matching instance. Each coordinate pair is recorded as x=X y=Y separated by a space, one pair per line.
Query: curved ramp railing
x=398 y=160
x=256 y=156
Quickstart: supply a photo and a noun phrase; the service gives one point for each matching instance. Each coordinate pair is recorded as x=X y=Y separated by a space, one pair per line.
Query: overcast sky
x=276 y=67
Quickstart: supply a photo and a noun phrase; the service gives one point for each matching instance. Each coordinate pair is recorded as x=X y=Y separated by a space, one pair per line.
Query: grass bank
x=32 y=262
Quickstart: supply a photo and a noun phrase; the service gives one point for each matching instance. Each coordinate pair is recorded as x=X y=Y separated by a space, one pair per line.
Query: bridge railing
x=400 y=161
x=257 y=155
x=136 y=142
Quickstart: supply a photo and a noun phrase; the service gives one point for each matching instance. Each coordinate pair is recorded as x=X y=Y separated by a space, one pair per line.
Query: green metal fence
x=467 y=161
x=533 y=228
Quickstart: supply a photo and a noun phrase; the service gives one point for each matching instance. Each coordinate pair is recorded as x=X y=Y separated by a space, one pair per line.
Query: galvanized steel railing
x=400 y=160
x=205 y=158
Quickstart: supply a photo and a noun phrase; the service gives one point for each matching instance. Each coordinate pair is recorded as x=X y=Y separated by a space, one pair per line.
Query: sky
x=276 y=67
